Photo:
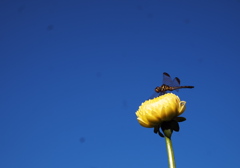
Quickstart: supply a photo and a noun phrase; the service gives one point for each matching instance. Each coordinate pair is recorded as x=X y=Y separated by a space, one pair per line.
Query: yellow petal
x=182 y=107
x=144 y=124
x=153 y=112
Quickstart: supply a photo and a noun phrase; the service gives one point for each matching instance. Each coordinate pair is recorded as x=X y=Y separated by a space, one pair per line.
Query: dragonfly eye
x=157 y=89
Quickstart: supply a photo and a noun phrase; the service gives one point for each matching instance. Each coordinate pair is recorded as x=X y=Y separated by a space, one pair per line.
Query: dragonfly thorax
x=163 y=88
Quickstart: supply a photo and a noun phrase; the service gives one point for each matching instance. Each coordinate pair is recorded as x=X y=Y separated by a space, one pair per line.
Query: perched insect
x=168 y=85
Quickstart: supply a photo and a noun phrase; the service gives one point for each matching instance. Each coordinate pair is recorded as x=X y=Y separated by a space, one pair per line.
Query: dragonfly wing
x=167 y=80
x=155 y=94
x=176 y=83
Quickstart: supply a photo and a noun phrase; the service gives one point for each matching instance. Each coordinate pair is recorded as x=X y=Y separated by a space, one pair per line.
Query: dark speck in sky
x=21 y=8
x=98 y=74
x=187 y=21
x=150 y=15
x=139 y=7
x=50 y=27
x=82 y=139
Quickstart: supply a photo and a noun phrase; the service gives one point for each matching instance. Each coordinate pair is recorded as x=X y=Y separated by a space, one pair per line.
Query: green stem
x=171 y=160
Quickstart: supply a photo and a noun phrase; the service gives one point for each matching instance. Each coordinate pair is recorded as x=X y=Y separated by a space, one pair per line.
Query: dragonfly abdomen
x=179 y=87
x=165 y=88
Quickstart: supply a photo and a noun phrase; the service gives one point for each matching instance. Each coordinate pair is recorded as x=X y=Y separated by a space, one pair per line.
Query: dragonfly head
x=159 y=89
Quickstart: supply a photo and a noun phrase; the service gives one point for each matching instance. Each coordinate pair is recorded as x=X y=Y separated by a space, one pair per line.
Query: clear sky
x=73 y=74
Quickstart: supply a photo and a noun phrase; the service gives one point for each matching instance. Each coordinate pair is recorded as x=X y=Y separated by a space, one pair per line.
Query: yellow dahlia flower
x=153 y=112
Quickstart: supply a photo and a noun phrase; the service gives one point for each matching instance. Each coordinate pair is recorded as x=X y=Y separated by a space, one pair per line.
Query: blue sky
x=73 y=74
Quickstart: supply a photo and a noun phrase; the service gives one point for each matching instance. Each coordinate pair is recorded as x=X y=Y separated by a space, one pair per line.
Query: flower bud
x=153 y=112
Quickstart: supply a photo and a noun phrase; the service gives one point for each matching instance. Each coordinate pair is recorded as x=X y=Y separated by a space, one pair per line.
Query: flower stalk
x=171 y=160
x=163 y=114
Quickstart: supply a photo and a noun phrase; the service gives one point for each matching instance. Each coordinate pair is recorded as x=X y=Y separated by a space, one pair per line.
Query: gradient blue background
x=73 y=74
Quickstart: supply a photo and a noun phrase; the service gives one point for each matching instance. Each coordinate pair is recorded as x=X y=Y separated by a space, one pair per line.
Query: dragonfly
x=169 y=85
